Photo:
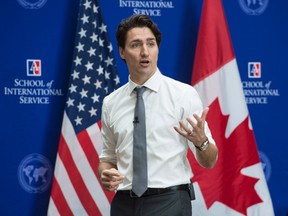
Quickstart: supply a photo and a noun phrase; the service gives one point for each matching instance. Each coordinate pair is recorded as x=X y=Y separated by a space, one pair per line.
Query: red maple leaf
x=225 y=182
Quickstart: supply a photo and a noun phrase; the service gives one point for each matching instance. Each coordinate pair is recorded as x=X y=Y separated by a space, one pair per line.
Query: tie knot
x=140 y=91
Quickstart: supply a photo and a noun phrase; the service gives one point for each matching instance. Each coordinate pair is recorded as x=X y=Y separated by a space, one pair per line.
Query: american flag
x=76 y=190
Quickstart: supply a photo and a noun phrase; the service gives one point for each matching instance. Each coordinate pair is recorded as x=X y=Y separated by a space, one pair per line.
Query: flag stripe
x=53 y=211
x=76 y=178
x=62 y=205
x=85 y=172
x=75 y=161
x=86 y=142
x=211 y=56
x=67 y=189
x=89 y=150
x=94 y=132
x=232 y=101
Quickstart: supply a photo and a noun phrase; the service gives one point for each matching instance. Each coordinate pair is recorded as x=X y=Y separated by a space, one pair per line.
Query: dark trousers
x=171 y=203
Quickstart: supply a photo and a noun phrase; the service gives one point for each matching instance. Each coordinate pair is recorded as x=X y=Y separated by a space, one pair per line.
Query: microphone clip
x=136 y=120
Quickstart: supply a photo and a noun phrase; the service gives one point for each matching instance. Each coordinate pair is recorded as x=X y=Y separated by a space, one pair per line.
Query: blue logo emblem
x=32 y=5
x=253 y=7
x=35 y=173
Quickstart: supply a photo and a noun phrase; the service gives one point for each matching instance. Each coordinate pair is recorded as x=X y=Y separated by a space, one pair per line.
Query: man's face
x=140 y=53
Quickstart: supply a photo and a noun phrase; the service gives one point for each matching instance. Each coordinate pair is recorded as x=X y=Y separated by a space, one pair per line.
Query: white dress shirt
x=167 y=101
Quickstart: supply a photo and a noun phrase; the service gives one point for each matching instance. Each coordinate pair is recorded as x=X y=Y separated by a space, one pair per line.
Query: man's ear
x=121 y=52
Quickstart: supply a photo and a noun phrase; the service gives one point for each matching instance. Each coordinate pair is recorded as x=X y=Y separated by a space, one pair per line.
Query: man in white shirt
x=175 y=121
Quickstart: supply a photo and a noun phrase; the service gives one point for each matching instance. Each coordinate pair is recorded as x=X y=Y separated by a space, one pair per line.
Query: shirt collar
x=153 y=83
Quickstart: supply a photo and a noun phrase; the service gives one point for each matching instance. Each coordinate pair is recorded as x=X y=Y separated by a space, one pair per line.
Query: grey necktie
x=139 y=183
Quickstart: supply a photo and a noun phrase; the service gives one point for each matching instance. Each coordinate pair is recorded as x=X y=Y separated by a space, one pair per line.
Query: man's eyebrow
x=151 y=39
x=139 y=40
x=135 y=40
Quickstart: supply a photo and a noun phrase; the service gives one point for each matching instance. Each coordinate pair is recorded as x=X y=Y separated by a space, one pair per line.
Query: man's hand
x=110 y=179
x=196 y=134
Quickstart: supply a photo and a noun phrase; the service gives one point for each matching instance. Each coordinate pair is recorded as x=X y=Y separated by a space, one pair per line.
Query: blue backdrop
x=36 y=48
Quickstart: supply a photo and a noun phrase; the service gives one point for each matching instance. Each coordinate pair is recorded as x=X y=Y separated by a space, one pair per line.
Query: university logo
x=33 y=67
x=35 y=173
x=266 y=165
x=253 y=7
x=32 y=4
x=254 y=69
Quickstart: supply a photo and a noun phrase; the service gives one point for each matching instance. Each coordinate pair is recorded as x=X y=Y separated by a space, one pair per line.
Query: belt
x=154 y=191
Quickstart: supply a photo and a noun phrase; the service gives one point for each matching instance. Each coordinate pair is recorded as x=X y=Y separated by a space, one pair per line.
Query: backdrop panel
x=37 y=39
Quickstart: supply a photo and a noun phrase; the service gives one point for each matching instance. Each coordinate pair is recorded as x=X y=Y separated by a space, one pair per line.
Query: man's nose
x=144 y=50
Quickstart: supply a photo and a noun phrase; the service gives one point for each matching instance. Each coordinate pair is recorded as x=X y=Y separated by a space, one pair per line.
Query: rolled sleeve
x=108 y=151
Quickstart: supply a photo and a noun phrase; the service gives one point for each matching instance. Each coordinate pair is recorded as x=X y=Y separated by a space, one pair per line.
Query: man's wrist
x=204 y=145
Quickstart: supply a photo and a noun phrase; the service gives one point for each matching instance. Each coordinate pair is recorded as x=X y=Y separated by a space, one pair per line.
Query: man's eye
x=151 y=44
x=135 y=45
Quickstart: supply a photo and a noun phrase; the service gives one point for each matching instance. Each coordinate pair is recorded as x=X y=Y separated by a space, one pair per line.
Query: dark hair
x=136 y=20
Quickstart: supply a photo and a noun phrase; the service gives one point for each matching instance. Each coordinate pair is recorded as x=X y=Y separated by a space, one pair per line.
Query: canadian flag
x=236 y=185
